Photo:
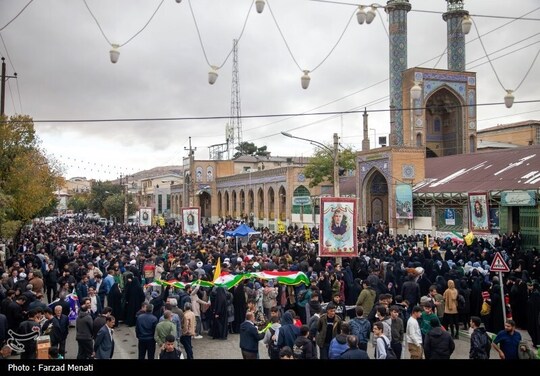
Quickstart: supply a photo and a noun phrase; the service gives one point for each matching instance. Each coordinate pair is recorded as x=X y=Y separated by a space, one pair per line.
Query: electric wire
x=493 y=67
x=14 y=74
x=289 y=48
x=130 y=39
x=201 y=41
x=16 y=16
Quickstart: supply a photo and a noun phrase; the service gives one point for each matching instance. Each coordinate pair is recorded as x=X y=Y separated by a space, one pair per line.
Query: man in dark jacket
x=353 y=352
x=438 y=344
x=304 y=345
x=60 y=330
x=145 y=328
x=288 y=331
x=250 y=337
x=84 y=326
x=480 y=342
x=27 y=327
x=328 y=326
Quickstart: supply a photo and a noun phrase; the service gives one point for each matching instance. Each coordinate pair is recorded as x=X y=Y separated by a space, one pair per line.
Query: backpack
x=273 y=349
x=298 y=352
x=390 y=354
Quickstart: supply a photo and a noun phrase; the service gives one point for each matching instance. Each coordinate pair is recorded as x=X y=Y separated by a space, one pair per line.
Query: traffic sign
x=498 y=264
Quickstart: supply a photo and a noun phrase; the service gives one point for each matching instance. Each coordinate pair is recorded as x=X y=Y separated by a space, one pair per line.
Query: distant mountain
x=156 y=171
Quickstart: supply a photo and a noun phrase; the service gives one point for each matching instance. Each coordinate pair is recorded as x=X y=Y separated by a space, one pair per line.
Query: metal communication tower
x=233 y=130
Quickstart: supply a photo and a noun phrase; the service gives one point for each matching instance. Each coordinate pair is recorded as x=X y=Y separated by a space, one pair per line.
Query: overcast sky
x=64 y=73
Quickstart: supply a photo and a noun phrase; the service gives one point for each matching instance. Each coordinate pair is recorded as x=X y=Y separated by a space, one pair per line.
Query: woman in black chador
x=219 y=328
x=114 y=300
x=134 y=297
x=240 y=307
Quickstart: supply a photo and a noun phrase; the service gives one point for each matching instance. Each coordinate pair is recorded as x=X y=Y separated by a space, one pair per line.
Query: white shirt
x=413 y=335
x=93 y=303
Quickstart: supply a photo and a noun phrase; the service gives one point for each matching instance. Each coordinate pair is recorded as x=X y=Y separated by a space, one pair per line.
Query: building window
x=168 y=202
x=159 y=203
x=437 y=125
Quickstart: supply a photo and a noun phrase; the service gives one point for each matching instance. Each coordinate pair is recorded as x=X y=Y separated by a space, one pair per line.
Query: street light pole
x=126 y=203
x=336 y=165
x=334 y=152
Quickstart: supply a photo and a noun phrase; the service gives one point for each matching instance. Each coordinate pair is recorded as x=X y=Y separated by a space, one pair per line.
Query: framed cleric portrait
x=479 y=212
x=191 y=221
x=337 y=236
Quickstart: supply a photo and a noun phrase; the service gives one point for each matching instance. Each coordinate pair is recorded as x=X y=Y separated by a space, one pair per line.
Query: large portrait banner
x=404 y=199
x=338 y=227
x=478 y=212
x=191 y=221
x=145 y=216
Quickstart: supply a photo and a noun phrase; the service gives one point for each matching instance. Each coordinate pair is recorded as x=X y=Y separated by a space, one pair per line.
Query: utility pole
x=336 y=166
x=3 y=92
x=5 y=77
x=126 y=202
x=189 y=185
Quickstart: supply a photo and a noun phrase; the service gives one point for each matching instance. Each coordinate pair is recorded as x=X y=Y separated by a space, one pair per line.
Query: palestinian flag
x=286 y=278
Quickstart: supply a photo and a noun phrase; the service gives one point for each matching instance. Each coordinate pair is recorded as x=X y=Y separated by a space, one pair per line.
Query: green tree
x=27 y=175
x=249 y=148
x=16 y=136
x=32 y=185
x=321 y=165
x=79 y=202
x=100 y=192
x=114 y=206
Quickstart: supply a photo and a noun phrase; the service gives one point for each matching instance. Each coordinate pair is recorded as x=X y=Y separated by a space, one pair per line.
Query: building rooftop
x=508 y=126
x=483 y=144
x=517 y=168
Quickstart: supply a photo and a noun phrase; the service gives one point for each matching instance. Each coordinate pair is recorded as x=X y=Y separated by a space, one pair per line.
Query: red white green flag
x=228 y=281
x=286 y=278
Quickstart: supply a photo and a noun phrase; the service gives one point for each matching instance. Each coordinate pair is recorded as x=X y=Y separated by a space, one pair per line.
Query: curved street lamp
x=334 y=152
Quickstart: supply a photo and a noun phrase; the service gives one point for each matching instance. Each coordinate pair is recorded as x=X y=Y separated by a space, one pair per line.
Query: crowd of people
x=398 y=292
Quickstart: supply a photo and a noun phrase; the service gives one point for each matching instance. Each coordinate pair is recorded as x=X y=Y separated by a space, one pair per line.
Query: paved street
x=207 y=348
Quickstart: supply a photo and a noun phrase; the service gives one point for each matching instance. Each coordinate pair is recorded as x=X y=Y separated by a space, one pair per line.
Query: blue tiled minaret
x=456 y=39
x=397 y=12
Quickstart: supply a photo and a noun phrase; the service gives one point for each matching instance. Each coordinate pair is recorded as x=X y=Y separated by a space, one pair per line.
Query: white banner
x=145 y=217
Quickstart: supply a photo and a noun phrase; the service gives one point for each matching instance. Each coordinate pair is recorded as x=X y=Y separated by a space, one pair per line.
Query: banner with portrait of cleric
x=145 y=217
x=478 y=212
x=337 y=237
x=191 y=221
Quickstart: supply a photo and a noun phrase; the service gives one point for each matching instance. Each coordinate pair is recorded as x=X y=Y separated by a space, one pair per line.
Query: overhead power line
x=116 y=120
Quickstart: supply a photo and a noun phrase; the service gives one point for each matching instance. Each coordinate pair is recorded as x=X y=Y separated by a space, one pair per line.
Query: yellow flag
x=469 y=238
x=217 y=270
x=427 y=241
